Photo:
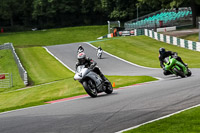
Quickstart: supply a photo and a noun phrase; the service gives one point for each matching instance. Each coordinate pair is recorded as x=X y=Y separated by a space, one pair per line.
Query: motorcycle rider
x=89 y=63
x=163 y=54
x=99 y=48
x=80 y=48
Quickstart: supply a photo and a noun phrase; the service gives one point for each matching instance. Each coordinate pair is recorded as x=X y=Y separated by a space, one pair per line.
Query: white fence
x=173 y=40
x=21 y=69
x=6 y=80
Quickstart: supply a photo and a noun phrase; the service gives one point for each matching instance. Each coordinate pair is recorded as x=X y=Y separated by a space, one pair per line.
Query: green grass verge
x=41 y=66
x=57 y=90
x=185 y=122
x=54 y=36
x=143 y=51
x=193 y=37
x=8 y=65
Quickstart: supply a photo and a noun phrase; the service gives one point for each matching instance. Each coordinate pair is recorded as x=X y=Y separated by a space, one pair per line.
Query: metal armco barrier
x=6 y=80
x=21 y=69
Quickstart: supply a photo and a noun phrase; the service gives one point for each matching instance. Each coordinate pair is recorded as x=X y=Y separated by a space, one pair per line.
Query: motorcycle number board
x=2 y=76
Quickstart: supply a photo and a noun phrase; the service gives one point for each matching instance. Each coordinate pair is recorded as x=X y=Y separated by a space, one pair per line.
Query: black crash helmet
x=162 y=51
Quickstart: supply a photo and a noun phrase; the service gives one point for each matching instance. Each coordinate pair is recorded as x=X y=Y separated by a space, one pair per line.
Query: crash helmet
x=81 y=58
x=162 y=51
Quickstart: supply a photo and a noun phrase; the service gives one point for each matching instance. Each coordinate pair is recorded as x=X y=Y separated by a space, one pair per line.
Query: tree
x=55 y=13
x=9 y=9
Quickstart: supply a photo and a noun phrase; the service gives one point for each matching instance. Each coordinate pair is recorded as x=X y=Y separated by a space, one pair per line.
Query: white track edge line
x=59 y=60
x=163 y=117
x=121 y=58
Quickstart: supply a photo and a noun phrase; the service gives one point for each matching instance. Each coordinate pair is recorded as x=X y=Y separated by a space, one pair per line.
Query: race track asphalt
x=124 y=108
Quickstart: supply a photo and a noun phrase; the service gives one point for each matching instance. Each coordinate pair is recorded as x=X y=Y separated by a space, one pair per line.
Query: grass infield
x=143 y=50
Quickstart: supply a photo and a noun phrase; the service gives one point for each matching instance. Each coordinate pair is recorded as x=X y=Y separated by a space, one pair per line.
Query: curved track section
x=109 y=65
x=106 y=113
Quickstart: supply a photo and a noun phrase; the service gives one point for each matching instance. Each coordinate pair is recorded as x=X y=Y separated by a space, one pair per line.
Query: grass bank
x=8 y=65
x=143 y=50
x=193 y=37
x=61 y=89
x=185 y=122
x=41 y=66
x=54 y=36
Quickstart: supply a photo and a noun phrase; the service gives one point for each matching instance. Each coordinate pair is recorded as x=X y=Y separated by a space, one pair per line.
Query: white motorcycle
x=92 y=82
x=99 y=53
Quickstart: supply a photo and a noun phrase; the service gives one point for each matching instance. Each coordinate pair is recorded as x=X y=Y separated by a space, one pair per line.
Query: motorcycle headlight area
x=80 y=74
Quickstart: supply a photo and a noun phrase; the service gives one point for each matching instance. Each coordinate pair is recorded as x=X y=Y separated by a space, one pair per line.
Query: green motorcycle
x=176 y=67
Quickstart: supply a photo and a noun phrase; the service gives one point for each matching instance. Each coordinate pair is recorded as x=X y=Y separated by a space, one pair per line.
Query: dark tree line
x=60 y=13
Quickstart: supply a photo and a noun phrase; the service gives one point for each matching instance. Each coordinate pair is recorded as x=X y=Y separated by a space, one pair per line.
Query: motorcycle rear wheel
x=90 y=87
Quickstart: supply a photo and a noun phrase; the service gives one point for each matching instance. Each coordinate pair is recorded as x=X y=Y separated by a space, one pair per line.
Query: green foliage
x=164 y=3
x=118 y=14
x=60 y=13
x=15 y=11
x=197 y=2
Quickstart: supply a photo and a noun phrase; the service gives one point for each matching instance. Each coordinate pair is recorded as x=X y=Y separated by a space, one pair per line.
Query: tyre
x=90 y=87
x=189 y=73
x=179 y=73
x=109 y=88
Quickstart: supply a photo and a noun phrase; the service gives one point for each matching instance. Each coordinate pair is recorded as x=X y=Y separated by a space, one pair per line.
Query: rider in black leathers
x=99 y=48
x=89 y=63
x=164 y=54
x=80 y=48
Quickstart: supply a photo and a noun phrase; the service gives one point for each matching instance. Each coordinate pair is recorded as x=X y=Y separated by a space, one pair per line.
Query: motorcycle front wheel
x=109 y=88
x=90 y=87
x=189 y=73
x=179 y=73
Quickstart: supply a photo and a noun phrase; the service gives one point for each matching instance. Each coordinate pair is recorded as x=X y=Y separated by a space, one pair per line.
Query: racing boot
x=186 y=65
